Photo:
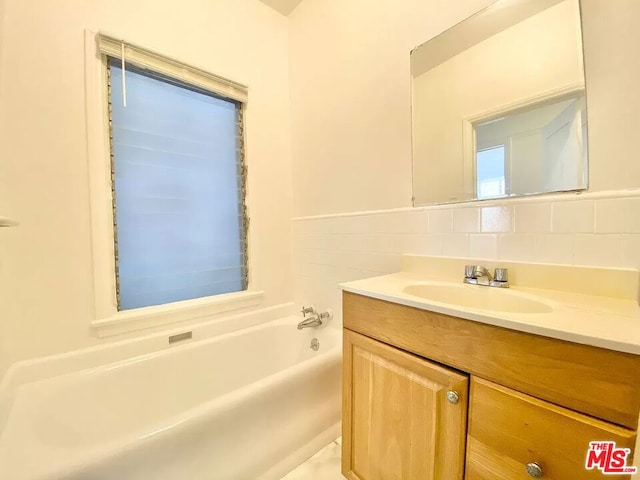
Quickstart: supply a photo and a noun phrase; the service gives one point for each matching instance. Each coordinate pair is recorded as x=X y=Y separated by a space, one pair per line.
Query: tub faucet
x=312 y=321
x=315 y=319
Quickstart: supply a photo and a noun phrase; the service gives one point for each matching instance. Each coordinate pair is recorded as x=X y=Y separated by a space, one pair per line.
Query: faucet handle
x=469 y=271
x=328 y=315
x=501 y=275
x=306 y=310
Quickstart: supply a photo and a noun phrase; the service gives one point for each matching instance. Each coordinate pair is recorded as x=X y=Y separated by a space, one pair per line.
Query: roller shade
x=178 y=189
x=148 y=59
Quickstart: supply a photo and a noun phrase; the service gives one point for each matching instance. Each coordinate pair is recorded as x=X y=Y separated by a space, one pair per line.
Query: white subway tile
x=483 y=246
x=347 y=274
x=379 y=262
x=390 y=243
x=422 y=244
x=352 y=224
x=496 y=219
x=533 y=218
x=396 y=222
x=433 y=245
x=417 y=221
x=404 y=222
x=302 y=227
x=440 y=221
x=319 y=240
x=320 y=225
x=599 y=250
x=341 y=241
x=317 y=271
x=408 y=243
x=455 y=245
x=553 y=248
x=618 y=215
x=300 y=259
x=297 y=231
x=466 y=220
x=323 y=257
x=572 y=216
x=370 y=242
x=516 y=247
x=631 y=251
x=355 y=242
x=317 y=225
x=363 y=242
x=380 y=222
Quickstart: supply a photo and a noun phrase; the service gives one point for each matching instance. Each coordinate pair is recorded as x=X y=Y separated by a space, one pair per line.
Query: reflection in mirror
x=540 y=148
x=499 y=105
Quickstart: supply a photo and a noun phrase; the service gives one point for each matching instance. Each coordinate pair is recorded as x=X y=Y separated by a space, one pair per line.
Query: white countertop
x=611 y=323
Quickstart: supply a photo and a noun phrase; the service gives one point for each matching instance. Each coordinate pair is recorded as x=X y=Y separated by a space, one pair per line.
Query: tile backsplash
x=596 y=229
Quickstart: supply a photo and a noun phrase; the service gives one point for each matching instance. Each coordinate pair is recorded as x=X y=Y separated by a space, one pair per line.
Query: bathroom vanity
x=445 y=391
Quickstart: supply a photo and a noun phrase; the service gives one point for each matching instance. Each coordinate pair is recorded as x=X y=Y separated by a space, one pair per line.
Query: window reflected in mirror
x=490 y=174
x=539 y=148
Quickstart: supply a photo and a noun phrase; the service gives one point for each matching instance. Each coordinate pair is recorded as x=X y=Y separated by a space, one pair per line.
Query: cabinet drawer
x=508 y=430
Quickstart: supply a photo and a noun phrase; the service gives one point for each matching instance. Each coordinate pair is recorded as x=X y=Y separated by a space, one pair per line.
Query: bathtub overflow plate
x=315 y=345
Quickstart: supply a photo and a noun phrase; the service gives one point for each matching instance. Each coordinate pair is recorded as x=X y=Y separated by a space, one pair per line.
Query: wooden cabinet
x=509 y=430
x=534 y=401
x=404 y=417
x=578 y=377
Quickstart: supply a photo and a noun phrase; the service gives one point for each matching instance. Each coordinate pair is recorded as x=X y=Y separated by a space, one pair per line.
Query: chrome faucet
x=479 y=275
x=315 y=319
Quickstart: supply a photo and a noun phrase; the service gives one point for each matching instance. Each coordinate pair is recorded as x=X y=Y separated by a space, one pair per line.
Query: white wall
x=3 y=358
x=351 y=138
x=351 y=97
x=497 y=72
x=46 y=270
x=611 y=36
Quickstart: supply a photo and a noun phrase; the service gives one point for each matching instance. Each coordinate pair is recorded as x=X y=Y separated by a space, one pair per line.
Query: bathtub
x=245 y=405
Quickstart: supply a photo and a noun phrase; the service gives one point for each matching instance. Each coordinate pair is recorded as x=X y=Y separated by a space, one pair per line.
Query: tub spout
x=313 y=321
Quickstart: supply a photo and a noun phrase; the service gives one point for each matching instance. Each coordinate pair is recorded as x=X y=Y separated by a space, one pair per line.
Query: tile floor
x=324 y=465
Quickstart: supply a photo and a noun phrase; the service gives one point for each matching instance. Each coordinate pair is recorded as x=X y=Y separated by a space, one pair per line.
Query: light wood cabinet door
x=404 y=418
x=509 y=430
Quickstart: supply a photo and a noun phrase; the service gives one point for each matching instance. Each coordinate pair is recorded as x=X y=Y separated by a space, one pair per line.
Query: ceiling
x=285 y=7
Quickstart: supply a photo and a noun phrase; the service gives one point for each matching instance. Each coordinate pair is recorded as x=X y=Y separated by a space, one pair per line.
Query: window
x=490 y=172
x=178 y=185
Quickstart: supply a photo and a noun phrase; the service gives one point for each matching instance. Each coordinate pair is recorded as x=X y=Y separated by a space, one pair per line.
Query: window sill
x=149 y=317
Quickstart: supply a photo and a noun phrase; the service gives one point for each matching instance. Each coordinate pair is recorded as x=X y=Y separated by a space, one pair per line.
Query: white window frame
x=108 y=320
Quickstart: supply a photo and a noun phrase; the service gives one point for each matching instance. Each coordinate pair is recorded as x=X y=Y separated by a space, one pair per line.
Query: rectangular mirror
x=499 y=105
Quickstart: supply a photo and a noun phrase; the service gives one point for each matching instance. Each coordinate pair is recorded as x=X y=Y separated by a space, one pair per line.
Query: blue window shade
x=178 y=202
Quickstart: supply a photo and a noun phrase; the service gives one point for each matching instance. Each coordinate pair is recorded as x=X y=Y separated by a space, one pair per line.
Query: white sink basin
x=479 y=297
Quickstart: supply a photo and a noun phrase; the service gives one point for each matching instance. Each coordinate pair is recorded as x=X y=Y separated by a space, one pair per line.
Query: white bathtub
x=246 y=405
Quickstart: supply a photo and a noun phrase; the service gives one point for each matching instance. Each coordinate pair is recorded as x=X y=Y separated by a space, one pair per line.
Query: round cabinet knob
x=534 y=470
x=453 y=397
